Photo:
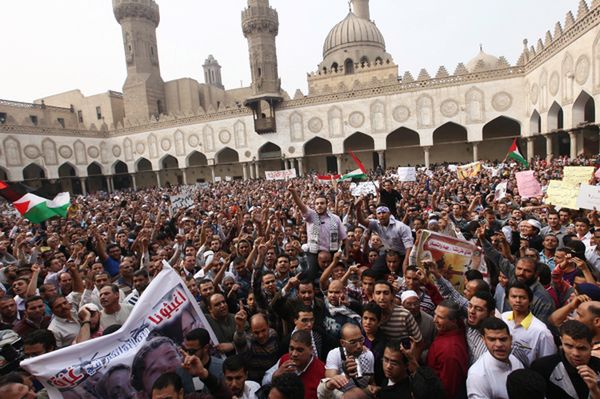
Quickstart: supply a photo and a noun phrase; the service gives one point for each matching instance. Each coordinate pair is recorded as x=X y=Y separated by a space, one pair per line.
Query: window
x=259 y=72
x=34 y=119
x=349 y=66
x=80 y=116
x=99 y=113
x=61 y=121
x=159 y=107
x=2 y=118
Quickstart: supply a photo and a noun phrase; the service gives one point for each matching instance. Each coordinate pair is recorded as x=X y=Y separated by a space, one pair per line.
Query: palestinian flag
x=355 y=175
x=32 y=206
x=515 y=154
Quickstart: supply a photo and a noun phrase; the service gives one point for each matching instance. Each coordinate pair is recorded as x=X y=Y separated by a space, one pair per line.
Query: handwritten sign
x=597 y=174
x=561 y=194
x=575 y=175
x=469 y=170
x=181 y=201
x=589 y=197
x=452 y=168
x=363 y=188
x=280 y=174
x=407 y=173
x=528 y=185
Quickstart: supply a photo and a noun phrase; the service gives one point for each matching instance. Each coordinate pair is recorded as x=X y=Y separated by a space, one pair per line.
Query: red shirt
x=448 y=356
x=311 y=377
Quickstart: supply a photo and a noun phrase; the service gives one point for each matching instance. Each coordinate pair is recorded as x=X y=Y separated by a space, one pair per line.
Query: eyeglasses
x=355 y=341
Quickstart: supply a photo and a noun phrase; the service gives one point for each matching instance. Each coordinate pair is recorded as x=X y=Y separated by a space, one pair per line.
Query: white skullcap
x=408 y=294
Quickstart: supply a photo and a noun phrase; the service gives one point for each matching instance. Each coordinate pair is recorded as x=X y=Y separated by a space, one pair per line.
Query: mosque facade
x=179 y=132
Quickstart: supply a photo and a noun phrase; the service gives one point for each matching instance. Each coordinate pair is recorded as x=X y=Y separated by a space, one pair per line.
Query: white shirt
x=487 y=377
x=250 y=388
x=532 y=336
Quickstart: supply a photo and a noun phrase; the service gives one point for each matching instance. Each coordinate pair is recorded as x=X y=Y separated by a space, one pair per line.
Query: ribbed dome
x=353 y=30
x=483 y=62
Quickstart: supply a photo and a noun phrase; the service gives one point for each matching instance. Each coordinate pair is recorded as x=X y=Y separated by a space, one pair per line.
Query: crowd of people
x=312 y=292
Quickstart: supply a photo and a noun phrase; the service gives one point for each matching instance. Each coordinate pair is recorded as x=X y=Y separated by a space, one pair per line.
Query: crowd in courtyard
x=312 y=292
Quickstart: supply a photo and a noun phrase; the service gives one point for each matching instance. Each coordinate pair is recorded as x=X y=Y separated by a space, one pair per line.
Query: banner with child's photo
x=452 y=256
x=126 y=363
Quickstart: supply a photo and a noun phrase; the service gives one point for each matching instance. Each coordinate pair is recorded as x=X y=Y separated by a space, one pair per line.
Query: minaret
x=360 y=8
x=260 y=25
x=144 y=89
x=212 y=72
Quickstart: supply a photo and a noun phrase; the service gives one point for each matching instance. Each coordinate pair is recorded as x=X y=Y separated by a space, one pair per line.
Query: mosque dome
x=353 y=31
x=483 y=62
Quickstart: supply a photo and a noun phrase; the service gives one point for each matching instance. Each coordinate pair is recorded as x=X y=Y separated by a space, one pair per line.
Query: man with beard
x=284 y=303
x=9 y=316
x=337 y=313
x=325 y=230
x=411 y=302
x=113 y=312
x=525 y=271
x=487 y=376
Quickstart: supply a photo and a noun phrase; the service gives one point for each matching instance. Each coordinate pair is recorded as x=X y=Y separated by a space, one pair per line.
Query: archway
x=96 y=181
x=34 y=175
x=561 y=144
x=227 y=164
x=269 y=155
x=68 y=179
x=450 y=144
x=498 y=134
x=584 y=112
x=318 y=156
x=144 y=175
x=169 y=173
x=403 y=148
x=3 y=174
x=197 y=170
x=121 y=179
x=363 y=147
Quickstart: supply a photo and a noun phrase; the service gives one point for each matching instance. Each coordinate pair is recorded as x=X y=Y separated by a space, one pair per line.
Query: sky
x=50 y=47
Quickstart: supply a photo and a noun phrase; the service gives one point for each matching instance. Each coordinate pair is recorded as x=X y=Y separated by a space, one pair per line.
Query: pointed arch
x=67 y=169
x=269 y=150
x=402 y=137
x=317 y=146
x=535 y=123
x=450 y=132
x=359 y=142
x=95 y=169
x=33 y=171
x=227 y=155
x=143 y=165
x=169 y=162
x=196 y=158
x=584 y=109
x=4 y=175
x=501 y=127
x=120 y=167
x=555 y=117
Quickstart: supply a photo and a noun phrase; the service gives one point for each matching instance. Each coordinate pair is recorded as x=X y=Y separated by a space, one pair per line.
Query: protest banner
x=407 y=173
x=228 y=178
x=363 y=188
x=280 y=174
x=452 y=256
x=597 y=174
x=126 y=363
x=452 y=168
x=469 y=170
x=575 y=175
x=528 y=185
x=589 y=197
x=184 y=200
x=500 y=190
x=561 y=194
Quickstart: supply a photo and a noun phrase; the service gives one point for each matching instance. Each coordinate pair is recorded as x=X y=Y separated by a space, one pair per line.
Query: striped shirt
x=476 y=344
x=401 y=324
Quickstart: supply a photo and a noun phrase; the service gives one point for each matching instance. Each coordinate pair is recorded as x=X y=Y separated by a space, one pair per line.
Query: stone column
x=133 y=182
x=184 y=176
x=475 y=151
x=530 y=148
x=212 y=172
x=245 y=171
x=158 y=179
x=338 y=158
x=573 y=137
x=426 y=155
x=548 y=147
x=109 y=184
x=381 y=155
x=300 y=167
x=82 y=181
x=256 y=170
x=285 y=164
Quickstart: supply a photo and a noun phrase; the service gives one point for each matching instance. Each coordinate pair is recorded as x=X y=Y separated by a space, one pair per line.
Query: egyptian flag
x=32 y=206
x=514 y=153
x=327 y=178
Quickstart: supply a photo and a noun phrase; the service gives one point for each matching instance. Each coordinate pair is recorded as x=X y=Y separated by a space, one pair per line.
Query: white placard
x=407 y=173
x=280 y=174
x=589 y=197
x=363 y=188
x=181 y=201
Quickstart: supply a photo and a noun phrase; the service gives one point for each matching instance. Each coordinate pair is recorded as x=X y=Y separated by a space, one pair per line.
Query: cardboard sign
x=589 y=197
x=407 y=173
x=181 y=201
x=528 y=185
x=575 y=175
x=469 y=170
x=562 y=194
x=280 y=174
x=363 y=188
x=500 y=191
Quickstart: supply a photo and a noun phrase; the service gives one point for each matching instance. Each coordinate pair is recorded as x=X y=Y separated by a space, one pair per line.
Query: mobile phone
x=405 y=342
